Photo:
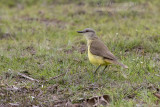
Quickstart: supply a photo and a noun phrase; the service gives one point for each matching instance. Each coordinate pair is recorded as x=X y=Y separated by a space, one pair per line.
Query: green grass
x=40 y=38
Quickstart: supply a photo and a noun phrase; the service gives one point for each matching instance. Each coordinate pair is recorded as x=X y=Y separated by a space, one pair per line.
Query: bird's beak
x=80 y=31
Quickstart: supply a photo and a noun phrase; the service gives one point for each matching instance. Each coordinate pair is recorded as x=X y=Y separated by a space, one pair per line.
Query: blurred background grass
x=13 y=3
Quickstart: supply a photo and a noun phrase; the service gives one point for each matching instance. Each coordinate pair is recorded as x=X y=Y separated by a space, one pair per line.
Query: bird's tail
x=124 y=66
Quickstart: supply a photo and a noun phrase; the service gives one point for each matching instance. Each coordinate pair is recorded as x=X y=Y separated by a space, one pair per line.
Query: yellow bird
x=98 y=53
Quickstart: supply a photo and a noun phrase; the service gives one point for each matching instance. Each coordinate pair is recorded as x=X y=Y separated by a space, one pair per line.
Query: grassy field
x=39 y=39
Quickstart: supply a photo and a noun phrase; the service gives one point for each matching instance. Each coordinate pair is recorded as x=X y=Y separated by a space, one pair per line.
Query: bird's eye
x=87 y=30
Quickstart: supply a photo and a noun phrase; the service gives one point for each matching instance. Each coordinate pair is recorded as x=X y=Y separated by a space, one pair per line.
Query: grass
x=41 y=39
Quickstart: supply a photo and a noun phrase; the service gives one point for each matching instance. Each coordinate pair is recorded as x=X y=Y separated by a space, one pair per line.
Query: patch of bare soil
x=31 y=50
x=6 y=35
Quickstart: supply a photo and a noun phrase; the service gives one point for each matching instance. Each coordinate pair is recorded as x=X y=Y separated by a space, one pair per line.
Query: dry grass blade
x=27 y=77
x=14 y=104
x=59 y=75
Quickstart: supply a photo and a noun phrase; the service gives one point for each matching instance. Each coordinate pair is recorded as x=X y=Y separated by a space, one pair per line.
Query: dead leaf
x=107 y=98
x=157 y=95
x=91 y=101
x=98 y=100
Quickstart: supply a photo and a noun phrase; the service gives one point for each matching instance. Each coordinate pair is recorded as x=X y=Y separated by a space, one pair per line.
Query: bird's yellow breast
x=96 y=60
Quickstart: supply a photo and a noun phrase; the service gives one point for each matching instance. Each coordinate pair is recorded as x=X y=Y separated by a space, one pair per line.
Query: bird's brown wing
x=98 y=48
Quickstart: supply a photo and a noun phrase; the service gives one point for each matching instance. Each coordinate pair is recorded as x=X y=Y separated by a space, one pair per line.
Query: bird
x=98 y=53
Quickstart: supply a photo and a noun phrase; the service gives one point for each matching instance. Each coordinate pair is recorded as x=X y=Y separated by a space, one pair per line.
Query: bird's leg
x=97 y=69
x=104 y=68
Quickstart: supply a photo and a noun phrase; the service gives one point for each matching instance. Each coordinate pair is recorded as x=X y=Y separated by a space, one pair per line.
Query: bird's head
x=88 y=33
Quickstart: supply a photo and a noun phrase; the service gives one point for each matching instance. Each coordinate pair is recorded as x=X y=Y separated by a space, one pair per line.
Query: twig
x=59 y=75
x=25 y=76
